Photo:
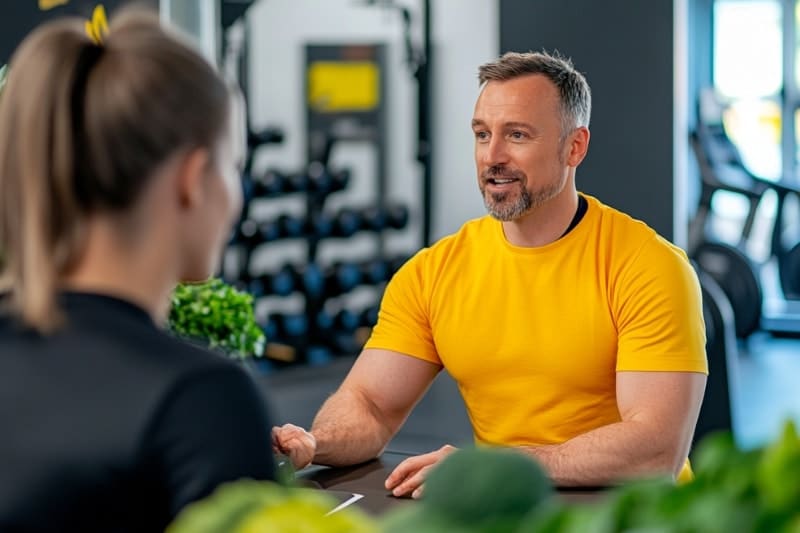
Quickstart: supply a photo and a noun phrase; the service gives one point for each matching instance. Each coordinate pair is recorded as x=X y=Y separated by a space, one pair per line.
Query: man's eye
x=481 y=135
x=517 y=134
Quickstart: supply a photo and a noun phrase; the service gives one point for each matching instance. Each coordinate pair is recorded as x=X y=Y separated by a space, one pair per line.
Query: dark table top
x=366 y=480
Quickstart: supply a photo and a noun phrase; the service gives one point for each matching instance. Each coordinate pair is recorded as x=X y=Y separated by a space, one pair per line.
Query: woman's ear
x=190 y=176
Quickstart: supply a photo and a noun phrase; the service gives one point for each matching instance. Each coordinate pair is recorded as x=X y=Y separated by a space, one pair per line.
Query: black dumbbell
x=375 y=271
x=346 y=223
x=286 y=326
x=396 y=216
x=247 y=233
x=388 y=217
x=268 y=135
x=298 y=182
x=374 y=218
x=282 y=227
x=321 y=225
x=341 y=278
x=369 y=316
x=324 y=181
x=343 y=321
x=273 y=183
x=307 y=279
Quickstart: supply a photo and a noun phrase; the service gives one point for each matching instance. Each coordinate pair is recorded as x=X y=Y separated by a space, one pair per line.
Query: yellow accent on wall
x=45 y=5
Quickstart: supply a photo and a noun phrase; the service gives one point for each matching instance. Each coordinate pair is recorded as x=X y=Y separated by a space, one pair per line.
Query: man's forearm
x=609 y=454
x=348 y=430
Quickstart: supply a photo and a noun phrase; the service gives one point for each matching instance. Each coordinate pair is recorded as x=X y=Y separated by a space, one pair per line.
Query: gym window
x=757 y=76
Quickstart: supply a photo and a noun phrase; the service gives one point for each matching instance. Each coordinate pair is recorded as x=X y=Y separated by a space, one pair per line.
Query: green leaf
x=778 y=472
x=218 y=315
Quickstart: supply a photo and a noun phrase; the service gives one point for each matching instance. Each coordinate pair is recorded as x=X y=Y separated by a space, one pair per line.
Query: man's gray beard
x=506 y=212
x=525 y=202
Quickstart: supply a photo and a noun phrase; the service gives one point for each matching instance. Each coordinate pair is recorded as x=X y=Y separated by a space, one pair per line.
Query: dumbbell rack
x=346 y=102
x=313 y=335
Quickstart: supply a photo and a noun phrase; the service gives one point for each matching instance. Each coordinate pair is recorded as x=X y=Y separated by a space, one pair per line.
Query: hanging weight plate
x=737 y=276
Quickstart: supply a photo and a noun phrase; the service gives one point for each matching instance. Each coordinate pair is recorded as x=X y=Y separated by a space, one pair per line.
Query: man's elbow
x=384 y=424
x=670 y=460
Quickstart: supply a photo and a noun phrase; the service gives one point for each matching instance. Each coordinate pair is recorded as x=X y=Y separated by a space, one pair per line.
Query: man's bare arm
x=659 y=411
x=356 y=423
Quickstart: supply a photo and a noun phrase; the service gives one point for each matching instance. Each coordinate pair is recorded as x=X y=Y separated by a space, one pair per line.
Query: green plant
x=733 y=490
x=248 y=506
x=476 y=490
x=216 y=313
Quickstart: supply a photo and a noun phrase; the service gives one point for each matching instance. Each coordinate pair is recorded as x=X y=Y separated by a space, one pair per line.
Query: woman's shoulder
x=126 y=337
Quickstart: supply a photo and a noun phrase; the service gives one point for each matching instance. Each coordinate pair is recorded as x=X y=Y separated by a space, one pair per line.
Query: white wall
x=199 y=19
x=465 y=34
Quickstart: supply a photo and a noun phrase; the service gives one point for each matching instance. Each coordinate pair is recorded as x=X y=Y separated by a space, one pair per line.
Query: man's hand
x=409 y=475
x=296 y=443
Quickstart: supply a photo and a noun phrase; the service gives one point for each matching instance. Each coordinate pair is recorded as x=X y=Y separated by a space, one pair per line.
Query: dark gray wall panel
x=625 y=49
x=19 y=17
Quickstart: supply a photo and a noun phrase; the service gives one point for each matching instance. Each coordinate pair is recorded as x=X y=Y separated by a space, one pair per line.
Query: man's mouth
x=501 y=177
x=501 y=181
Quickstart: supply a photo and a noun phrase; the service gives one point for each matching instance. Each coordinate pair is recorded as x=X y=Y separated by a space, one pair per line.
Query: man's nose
x=495 y=152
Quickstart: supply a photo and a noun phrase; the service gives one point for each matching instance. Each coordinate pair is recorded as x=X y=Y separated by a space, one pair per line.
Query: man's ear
x=578 y=145
x=191 y=173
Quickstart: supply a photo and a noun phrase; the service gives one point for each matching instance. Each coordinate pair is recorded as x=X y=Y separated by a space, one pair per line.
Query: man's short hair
x=574 y=93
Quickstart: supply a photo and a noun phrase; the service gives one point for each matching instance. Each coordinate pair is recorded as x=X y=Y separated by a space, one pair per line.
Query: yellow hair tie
x=97 y=27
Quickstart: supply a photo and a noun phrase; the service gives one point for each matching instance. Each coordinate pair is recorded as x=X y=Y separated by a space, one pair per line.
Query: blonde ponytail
x=82 y=128
x=38 y=215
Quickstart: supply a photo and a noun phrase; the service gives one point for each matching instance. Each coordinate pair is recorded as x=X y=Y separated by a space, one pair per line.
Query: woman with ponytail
x=118 y=179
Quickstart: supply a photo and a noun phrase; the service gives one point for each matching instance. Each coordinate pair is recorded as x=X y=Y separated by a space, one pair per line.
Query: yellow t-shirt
x=534 y=336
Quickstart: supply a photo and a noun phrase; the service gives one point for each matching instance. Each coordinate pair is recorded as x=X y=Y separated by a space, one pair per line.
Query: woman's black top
x=111 y=424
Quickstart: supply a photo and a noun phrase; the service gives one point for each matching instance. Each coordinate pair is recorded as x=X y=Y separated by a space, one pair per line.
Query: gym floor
x=765 y=390
x=765 y=387
x=765 y=376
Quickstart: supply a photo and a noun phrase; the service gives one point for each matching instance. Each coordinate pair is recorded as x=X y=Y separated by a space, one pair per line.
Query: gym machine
x=716 y=413
x=727 y=264
x=758 y=302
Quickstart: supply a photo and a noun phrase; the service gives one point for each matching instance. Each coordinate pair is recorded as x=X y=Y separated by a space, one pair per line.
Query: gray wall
x=626 y=49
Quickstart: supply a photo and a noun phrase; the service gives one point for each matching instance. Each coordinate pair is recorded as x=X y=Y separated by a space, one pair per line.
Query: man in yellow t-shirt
x=575 y=333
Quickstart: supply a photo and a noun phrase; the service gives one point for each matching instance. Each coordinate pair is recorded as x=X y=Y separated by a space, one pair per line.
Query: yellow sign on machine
x=336 y=86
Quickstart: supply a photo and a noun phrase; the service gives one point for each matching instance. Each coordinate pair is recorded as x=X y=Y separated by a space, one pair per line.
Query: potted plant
x=218 y=315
